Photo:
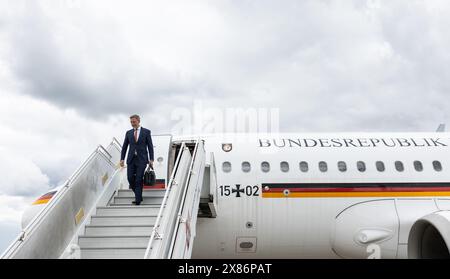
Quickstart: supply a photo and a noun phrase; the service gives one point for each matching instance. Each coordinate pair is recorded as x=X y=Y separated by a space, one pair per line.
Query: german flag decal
x=350 y=190
x=45 y=198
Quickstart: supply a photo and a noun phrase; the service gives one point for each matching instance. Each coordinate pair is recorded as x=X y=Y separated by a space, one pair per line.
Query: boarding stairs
x=92 y=215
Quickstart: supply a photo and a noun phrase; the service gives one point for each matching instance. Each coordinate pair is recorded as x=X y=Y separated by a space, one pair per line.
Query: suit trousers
x=135 y=173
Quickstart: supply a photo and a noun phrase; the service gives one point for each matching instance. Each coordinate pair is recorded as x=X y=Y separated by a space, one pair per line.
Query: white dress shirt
x=137 y=136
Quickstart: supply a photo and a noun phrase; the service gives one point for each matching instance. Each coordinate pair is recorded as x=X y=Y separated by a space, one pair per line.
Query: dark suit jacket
x=144 y=142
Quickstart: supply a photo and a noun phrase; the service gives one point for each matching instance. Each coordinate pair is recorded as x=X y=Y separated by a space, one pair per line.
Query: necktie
x=135 y=135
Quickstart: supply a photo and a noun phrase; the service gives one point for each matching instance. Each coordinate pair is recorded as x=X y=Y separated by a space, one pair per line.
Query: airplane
x=254 y=195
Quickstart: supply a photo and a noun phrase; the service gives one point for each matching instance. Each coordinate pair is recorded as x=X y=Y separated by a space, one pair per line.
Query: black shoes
x=136 y=203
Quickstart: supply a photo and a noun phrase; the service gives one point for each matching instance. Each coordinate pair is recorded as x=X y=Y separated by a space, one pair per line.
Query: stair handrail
x=29 y=229
x=116 y=143
x=161 y=209
x=183 y=199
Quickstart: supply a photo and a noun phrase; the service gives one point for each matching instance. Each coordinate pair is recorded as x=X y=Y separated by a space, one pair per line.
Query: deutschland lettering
x=355 y=142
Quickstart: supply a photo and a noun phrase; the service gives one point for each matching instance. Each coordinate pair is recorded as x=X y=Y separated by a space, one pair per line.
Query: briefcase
x=149 y=177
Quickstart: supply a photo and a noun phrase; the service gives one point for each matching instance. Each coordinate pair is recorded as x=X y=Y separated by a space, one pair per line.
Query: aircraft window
x=418 y=165
x=342 y=166
x=265 y=166
x=361 y=166
x=226 y=166
x=246 y=166
x=323 y=166
x=437 y=165
x=284 y=166
x=304 y=166
x=399 y=166
x=380 y=166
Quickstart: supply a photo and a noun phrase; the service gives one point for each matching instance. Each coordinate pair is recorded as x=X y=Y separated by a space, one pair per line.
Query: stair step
x=105 y=241
x=123 y=220
x=126 y=205
x=118 y=230
x=127 y=210
x=129 y=200
x=113 y=253
x=145 y=193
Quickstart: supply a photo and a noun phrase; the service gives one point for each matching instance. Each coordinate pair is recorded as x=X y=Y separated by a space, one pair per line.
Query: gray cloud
x=10 y=230
x=76 y=64
x=14 y=181
x=328 y=66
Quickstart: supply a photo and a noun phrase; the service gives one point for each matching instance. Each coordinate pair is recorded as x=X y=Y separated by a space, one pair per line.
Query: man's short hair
x=135 y=116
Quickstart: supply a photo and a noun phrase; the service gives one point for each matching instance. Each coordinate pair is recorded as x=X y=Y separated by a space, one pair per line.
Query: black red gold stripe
x=45 y=198
x=325 y=190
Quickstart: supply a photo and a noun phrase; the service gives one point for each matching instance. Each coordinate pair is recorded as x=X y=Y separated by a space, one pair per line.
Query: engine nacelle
x=429 y=237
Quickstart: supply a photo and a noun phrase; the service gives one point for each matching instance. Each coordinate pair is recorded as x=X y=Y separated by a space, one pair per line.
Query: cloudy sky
x=71 y=72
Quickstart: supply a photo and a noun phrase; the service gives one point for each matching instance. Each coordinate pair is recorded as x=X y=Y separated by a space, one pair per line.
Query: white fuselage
x=268 y=197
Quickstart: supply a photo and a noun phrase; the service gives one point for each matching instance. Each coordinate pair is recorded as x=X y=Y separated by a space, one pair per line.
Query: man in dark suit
x=139 y=139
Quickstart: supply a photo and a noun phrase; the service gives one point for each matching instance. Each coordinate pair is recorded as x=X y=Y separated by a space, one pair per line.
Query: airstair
x=92 y=215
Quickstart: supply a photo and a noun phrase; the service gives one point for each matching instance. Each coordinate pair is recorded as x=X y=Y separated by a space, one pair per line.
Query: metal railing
x=31 y=227
x=183 y=199
x=116 y=143
x=155 y=234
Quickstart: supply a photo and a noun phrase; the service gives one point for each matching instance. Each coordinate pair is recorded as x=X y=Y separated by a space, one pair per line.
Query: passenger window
x=304 y=166
x=437 y=166
x=265 y=166
x=380 y=166
x=246 y=166
x=361 y=166
x=418 y=166
x=399 y=166
x=342 y=166
x=284 y=166
x=323 y=166
x=226 y=166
